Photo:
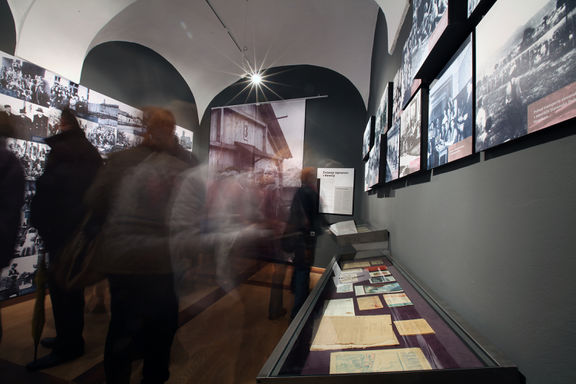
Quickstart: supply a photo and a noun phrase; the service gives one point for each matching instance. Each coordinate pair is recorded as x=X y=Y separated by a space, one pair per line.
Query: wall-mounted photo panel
x=384 y=112
x=129 y=129
x=450 y=110
x=397 y=97
x=32 y=156
x=393 y=152
x=410 y=136
x=256 y=137
x=372 y=166
x=525 y=66
x=368 y=138
x=430 y=19
x=34 y=97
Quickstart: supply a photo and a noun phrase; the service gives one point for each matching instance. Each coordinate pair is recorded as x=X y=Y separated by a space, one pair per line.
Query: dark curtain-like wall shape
x=334 y=124
x=138 y=76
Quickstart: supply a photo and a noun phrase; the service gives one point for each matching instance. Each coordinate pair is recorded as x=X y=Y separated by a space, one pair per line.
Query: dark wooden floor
x=225 y=335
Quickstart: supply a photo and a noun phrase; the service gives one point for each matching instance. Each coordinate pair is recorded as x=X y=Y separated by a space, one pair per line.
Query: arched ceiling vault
x=210 y=42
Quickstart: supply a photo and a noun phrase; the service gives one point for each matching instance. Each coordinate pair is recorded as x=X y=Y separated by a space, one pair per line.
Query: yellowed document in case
x=413 y=327
x=385 y=360
x=345 y=332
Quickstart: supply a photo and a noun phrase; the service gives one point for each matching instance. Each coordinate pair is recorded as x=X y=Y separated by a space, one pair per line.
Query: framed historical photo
x=450 y=110
x=410 y=136
x=372 y=166
x=392 y=152
x=368 y=138
x=525 y=66
x=384 y=112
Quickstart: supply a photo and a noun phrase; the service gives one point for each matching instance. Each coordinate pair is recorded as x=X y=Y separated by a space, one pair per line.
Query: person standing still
x=57 y=210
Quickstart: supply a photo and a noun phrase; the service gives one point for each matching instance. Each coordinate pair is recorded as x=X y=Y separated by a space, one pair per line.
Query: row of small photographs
x=523 y=83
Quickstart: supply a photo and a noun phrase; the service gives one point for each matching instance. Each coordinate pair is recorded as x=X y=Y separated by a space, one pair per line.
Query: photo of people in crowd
x=525 y=65
x=410 y=146
x=450 y=110
x=427 y=17
x=392 y=152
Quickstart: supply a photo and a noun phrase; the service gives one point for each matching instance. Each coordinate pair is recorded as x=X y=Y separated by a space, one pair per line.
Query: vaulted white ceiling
x=210 y=42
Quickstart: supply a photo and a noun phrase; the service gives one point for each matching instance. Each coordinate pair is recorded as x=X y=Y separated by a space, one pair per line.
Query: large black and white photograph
x=33 y=99
x=383 y=113
x=103 y=108
x=525 y=65
x=450 y=110
x=33 y=84
x=129 y=129
x=397 y=97
x=254 y=137
x=103 y=137
x=429 y=20
x=368 y=138
x=410 y=134
x=372 y=166
x=392 y=152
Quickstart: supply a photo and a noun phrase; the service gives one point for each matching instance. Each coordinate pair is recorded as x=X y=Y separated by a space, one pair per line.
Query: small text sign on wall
x=336 y=190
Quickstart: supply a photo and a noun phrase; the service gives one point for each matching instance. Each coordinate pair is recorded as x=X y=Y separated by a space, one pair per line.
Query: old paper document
x=413 y=327
x=355 y=264
x=361 y=290
x=397 y=300
x=382 y=279
x=354 y=332
x=388 y=360
x=369 y=302
x=380 y=273
x=339 y=307
x=343 y=288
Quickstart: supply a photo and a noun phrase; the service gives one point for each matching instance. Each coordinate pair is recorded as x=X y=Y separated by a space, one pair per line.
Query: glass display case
x=387 y=329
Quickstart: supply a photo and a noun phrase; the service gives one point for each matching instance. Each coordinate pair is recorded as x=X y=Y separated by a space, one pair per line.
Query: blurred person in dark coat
x=11 y=196
x=305 y=220
x=132 y=197
x=57 y=210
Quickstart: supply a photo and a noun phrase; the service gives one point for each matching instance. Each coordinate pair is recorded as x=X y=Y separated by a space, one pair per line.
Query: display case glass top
x=368 y=317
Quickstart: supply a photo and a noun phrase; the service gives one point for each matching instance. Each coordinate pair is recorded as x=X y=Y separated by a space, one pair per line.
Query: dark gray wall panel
x=494 y=240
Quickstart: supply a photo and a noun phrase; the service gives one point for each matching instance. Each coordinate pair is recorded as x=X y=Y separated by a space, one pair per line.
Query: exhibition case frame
x=454 y=354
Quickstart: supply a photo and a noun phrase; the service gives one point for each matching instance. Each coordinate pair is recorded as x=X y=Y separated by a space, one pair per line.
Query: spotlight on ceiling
x=256 y=78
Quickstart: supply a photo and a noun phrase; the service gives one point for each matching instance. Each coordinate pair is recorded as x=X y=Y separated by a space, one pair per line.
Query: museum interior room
x=358 y=191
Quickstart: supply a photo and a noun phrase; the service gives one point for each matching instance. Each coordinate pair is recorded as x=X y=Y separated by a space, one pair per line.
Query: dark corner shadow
x=457 y=164
x=419 y=178
x=562 y=130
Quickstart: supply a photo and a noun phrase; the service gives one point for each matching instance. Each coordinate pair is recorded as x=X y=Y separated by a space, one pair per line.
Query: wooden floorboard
x=225 y=335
